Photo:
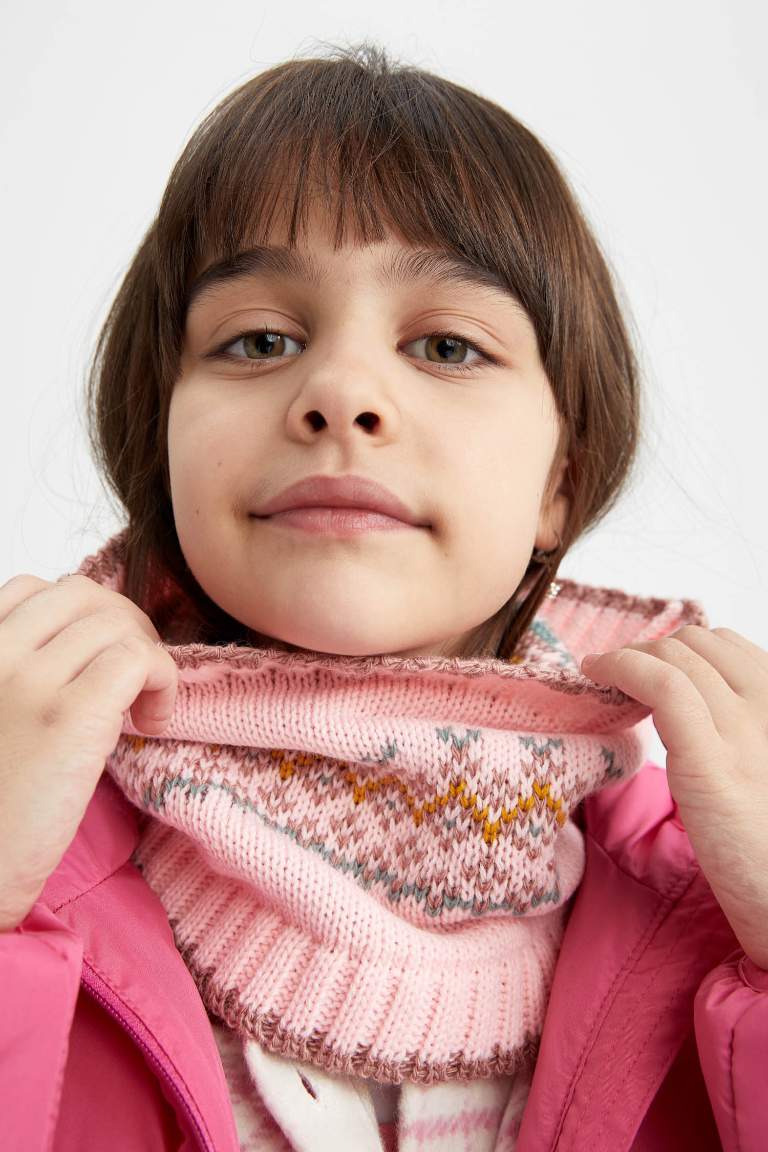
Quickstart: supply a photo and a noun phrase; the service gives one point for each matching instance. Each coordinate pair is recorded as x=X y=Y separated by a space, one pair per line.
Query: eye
x=261 y=344
x=449 y=350
x=445 y=349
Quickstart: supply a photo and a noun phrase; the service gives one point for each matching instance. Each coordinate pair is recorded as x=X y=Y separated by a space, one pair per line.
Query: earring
x=539 y=556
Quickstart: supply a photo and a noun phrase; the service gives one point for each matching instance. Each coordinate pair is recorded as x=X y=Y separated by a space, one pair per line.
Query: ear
x=554 y=511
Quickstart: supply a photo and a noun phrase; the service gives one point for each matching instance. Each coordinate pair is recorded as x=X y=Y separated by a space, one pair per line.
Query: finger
x=60 y=660
x=681 y=715
x=95 y=595
x=756 y=653
x=712 y=687
x=133 y=673
x=731 y=663
x=18 y=589
x=37 y=610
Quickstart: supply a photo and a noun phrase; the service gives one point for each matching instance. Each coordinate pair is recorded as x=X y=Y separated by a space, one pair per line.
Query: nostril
x=308 y=1086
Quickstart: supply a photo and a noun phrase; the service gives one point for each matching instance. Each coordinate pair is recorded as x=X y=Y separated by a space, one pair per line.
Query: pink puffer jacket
x=656 y=1036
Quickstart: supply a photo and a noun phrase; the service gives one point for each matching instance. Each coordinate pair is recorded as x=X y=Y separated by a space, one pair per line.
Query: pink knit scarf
x=367 y=861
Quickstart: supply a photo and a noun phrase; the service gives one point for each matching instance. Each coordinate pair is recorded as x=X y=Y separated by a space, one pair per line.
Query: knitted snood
x=367 y=862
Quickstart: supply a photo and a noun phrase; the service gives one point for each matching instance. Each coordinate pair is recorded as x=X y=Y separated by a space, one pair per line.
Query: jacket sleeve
x=731 y=1021
x=40 y=966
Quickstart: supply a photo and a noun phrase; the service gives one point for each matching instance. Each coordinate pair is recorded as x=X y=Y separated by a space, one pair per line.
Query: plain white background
x=657 y=113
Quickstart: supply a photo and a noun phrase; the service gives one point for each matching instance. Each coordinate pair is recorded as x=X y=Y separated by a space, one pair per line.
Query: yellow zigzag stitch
x=491 y=828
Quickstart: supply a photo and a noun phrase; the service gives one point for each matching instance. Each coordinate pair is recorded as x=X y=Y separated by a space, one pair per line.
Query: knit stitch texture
x=367 y=862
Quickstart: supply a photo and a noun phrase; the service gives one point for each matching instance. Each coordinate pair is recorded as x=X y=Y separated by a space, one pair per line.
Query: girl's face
x=353 y=381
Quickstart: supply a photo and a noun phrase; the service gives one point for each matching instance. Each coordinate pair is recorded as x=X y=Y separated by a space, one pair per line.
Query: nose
x=369 y=421
x=345 y=394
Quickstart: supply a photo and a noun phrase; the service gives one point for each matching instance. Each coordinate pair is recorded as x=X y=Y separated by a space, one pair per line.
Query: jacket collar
x=131 y=964
x=644 y=930
x=106 y=837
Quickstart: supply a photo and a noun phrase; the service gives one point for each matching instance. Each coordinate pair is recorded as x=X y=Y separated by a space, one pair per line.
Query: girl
x=376 y=861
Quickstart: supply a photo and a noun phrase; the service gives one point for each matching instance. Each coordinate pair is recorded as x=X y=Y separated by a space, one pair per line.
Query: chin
x=327 y=643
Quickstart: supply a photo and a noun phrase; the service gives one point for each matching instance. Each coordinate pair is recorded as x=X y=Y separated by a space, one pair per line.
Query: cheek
x=501 y=480
x=200 y=454
x=492 y=521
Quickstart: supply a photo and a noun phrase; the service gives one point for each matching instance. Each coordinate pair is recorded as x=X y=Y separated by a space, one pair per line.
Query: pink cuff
x=756 y=978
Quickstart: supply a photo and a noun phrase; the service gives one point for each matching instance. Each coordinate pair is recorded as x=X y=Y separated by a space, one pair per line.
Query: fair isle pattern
x=464 y=840
x=366 y=861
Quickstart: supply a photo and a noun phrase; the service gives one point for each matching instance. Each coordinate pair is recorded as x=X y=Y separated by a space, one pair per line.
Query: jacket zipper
x=92 y=982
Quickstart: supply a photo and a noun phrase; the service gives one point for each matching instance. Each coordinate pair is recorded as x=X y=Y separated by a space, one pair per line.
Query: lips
x=341 y=492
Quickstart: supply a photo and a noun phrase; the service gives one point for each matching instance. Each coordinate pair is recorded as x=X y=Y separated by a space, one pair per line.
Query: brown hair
x=394 y=147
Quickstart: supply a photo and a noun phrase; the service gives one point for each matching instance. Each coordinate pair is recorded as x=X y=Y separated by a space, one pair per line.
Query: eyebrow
x=437 y=267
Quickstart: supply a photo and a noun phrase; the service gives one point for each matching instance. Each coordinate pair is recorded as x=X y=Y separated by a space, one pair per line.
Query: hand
x=73 y=657
x=708 y=690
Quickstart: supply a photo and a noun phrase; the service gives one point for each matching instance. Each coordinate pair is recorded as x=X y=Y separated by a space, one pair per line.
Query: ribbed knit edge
x=286 y=985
